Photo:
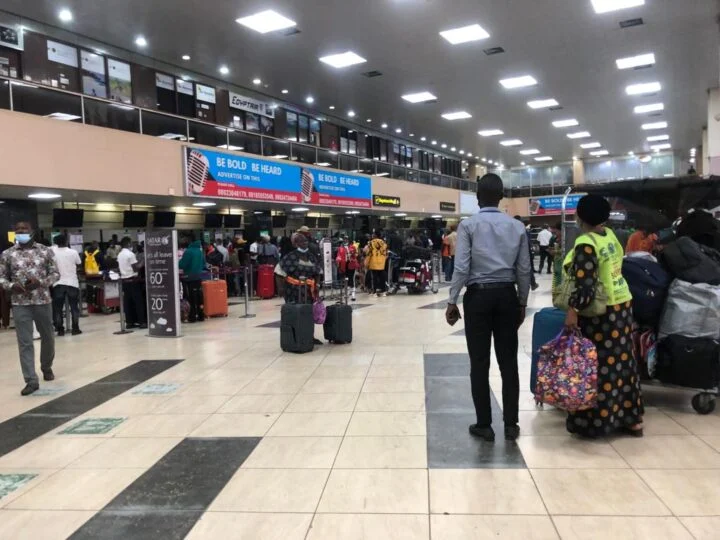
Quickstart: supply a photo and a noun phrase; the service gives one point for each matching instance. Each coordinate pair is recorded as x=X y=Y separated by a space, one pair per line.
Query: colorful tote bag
x=568 y=372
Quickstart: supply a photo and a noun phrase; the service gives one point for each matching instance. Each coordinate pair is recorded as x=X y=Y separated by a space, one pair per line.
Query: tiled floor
x=361 y=442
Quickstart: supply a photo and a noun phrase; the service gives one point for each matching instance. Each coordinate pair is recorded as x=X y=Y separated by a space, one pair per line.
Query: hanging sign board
x=162 y=283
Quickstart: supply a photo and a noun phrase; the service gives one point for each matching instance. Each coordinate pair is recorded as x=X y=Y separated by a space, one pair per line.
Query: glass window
x=277 y=148
x=303 y=153
x=244 y=142
x=267 y=125
x=291 y=130
x=162 y=125
x=303 y=124
x=252 y=122
x=328 y=156
x=208 y=135
x=348 y=163
x=5 y=95
x=382 y=169
x=237 y=120
x=314 y=132
x=112 y=115
x=46 y=102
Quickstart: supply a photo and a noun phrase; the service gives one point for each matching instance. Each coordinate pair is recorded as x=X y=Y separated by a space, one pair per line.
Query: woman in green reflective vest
x=597 y=257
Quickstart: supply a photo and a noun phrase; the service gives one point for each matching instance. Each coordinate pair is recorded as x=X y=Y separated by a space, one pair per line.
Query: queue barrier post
x=123 y=327
x=248 y=286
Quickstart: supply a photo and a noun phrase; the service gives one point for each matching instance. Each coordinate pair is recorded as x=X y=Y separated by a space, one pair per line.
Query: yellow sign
x=386 y=201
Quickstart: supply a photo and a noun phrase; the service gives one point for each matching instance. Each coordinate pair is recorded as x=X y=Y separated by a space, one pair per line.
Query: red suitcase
x=215 y=298
x=266 y=281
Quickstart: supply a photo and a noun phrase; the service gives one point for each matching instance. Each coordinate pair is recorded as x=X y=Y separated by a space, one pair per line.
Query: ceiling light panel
x=653 y=107
x=588 y=146
x=419 y=97
x=599 y=153
x=656 y=138
x=65 y=15
x=511 y=142
x=654 y=125
x=632 y=62
x=570 y=122
x=457 y=115
x=473 y=32
x=579 y=135
x=606 y=6
x=543 y=103
x=342 y=60
x=530 y=152
x=490 y=132
x=543 y=158
x=266 y=21
x=518 y=82
x=643 y=89
x=664 y=146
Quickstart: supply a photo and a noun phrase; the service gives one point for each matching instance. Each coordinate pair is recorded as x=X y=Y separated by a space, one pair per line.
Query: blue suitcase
x=547 y=324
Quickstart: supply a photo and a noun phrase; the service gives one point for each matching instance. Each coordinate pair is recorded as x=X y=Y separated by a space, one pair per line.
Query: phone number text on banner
x=230 y=176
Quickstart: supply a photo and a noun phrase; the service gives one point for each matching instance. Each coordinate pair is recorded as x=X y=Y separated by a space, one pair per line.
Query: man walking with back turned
x=492 y=259
x=27 y=270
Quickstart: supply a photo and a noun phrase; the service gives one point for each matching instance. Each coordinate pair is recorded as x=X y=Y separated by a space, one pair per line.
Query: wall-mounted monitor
x=134 y=220
x=310 y=222
x=323 y=222
x=213 y=221
x=66 y=217
x=233 y=221
x=164 y=219
x=279 y=222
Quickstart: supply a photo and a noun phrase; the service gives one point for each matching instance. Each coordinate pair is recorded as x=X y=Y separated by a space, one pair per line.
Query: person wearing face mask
x=347 y=261
x=27 y=271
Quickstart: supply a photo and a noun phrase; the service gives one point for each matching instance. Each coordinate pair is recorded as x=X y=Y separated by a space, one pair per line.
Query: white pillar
x=711 y=150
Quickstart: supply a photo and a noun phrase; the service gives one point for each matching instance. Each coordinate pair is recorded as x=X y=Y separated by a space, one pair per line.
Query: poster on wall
x=120 y=81
x=164 y=81
x=229 y=176
x=62 y=54
x=251 y=105
x=205 y=93
x=11 y=36
x=184 y=87
x=93 y=74
x=162 y=283
x=552 y=206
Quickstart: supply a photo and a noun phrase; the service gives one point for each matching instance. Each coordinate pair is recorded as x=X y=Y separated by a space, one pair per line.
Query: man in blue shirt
x=493 y=261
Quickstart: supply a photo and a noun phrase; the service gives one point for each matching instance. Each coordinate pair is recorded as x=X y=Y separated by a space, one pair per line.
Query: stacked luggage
x=678 y=302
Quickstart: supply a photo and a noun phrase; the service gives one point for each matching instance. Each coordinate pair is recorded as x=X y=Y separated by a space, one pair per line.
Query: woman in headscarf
x=597 y=258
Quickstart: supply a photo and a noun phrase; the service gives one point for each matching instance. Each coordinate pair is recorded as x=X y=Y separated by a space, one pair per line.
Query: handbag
x=562 y=294
x=319 y=311
x=567 y=376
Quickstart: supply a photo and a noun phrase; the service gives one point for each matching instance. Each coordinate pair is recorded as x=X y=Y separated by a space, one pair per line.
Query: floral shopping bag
x=567 y=372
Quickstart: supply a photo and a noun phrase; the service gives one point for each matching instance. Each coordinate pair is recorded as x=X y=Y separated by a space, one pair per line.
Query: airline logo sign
x=385 y=201
x=447 y=206
x=251 y=105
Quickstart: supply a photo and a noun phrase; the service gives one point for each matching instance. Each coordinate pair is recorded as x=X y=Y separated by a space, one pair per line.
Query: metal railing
x=34 y=98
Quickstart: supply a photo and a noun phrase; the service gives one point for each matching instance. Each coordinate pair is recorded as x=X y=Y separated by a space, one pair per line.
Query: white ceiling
x=568 y=48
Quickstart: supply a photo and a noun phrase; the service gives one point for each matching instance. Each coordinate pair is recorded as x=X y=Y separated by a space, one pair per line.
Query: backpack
x=215 y=258
x=649 y=284
x=692 y=262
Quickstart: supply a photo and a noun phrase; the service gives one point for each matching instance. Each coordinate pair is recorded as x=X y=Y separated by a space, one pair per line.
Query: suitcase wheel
x=703 y=403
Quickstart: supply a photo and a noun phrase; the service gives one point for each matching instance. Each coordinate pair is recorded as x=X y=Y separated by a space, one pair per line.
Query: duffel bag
x=649 y=284
x=692 y=262
x=691 y=310
x=691 y=362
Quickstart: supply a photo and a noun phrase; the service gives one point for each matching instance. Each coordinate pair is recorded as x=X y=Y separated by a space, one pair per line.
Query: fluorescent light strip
x=599 y=153
x=543 y=158
x=658 y=147
x=473 y=32
x=632 y=62
x=652 y=107
x=511 y=142
x=654 y=125
x=588 y=146
x=266 y=21
x=543 y=103
x=518 y=82
x=490 y=132
x=457 y=115
x=643 y=88
x=579 y=135
x=419 y=97
x=606 y=6
x=530 y=152
x=342 y=60
x=565 y=123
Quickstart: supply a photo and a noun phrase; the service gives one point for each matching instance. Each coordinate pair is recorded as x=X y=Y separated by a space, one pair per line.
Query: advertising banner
x=552 y=206
x=120 y=81
x=162 y=283
x=230 y=176
x=251 y=105
x=386 y=201
x=62 y=54
x=205 y=93
x=93 y=76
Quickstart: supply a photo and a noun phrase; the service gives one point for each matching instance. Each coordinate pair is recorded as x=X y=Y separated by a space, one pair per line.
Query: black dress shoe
x=512 y=433
x=61 y=333
x=48 y=375
x=76 y=332
x=29 y=389
x=484 y=433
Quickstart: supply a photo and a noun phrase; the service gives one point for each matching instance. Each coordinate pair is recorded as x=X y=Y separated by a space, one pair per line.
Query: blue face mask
x=23 y=238
x=302 y=250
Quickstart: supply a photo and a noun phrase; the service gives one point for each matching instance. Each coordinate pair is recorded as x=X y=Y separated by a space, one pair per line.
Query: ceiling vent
x=629 y=23
x=557 y=108
x=494 y=50
x=372 y=74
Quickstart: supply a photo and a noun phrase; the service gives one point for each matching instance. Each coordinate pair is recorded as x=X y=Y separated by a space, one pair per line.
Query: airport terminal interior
x=235 y=237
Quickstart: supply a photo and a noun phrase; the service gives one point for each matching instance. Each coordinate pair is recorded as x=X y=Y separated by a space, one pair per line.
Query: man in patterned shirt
x=27 y=271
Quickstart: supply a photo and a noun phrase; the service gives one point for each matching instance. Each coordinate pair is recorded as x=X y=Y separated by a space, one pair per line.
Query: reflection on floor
x=362 y=441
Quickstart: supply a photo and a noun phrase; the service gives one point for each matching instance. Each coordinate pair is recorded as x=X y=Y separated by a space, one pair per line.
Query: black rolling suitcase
x=691 y=362
x=297 y=327
x=338 y=321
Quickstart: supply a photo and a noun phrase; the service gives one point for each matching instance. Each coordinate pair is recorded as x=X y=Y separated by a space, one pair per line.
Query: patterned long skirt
x=619 y=395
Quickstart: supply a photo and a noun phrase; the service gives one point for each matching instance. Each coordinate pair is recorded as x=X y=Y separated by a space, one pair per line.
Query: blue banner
x=552 y=206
